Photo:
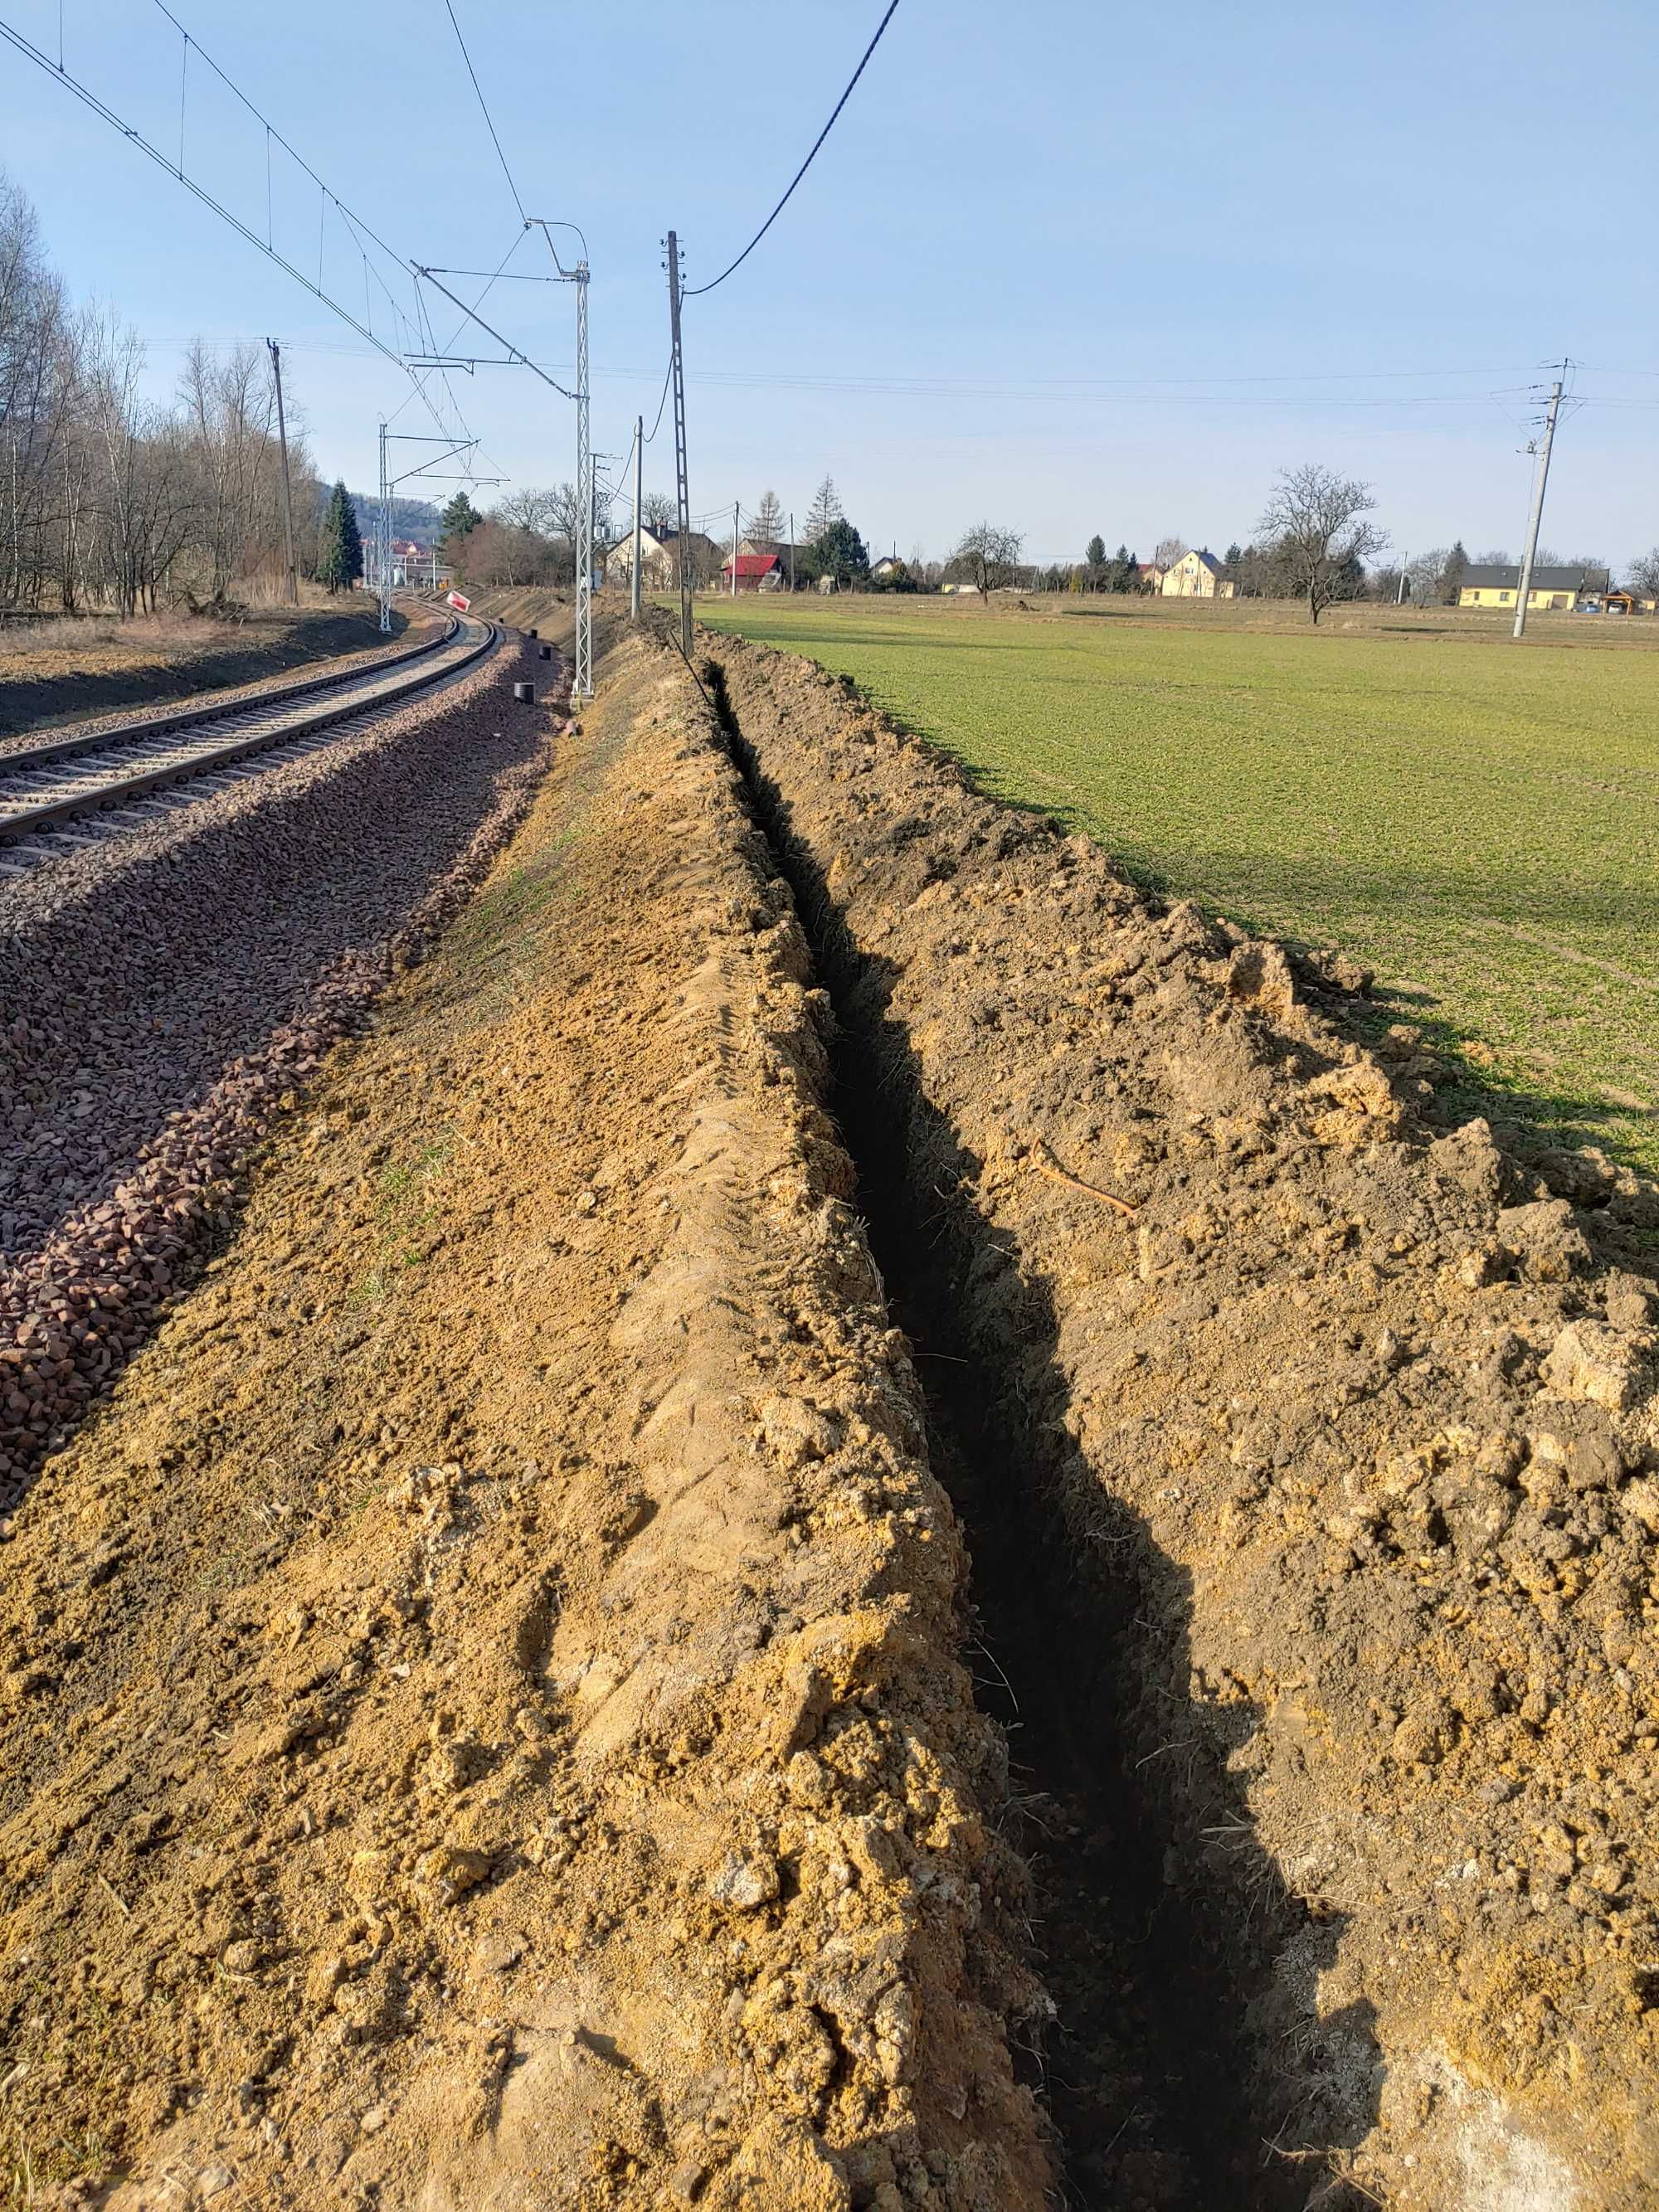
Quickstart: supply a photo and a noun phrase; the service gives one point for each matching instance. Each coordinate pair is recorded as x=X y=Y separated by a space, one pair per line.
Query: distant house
x=659 y=564
x=1150 y=575
x=791 y=559
x=757 y=572
x=1197 y=576
x=416 y=564
x=1559 y=591
x=889 y=565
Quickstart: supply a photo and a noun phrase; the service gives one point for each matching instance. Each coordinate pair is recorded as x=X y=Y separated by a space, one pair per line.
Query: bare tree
x=1424 y=572
x=540 y=511
x=659 y=512
x=1168 y=551
x=1317 y=521
x=988 y=555
x=1644 y=573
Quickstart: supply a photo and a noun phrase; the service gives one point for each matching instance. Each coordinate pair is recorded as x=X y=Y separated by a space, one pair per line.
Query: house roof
x=750 y=564
x=1479 y=577
x=1208 y=558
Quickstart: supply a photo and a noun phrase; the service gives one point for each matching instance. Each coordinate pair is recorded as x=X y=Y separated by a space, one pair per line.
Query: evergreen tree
x=1125 y=572
x=1096 y=554
x=839 y=552
x=460 y=516
x=1234 y=555
x=1452 y=575
x=826 y=508
x=352 y=538
x=340 y=549
x=767 y=522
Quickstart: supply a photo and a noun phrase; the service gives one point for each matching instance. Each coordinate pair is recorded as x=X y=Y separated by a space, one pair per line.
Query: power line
x=663 y=402
x=696 y=291
x=484 y=106
x=175 y=169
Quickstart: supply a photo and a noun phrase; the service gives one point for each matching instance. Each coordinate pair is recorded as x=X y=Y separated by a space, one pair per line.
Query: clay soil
x=485 y=1725
x=68 y=669
x=855 y=1521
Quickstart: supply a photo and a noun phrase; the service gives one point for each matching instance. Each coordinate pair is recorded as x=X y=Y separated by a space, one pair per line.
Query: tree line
x=109 y=500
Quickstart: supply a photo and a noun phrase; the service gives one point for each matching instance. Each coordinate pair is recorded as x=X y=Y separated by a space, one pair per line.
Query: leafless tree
x=1317 y=521
x=988 y=555
x=659 y=512
x=1168 y=551
x=540 y=511
x=104 y=497
x=1644 y=573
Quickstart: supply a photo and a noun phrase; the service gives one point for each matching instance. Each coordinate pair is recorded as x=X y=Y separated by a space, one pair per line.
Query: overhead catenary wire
x=175 y=169
x=483 y=105
x=696 y=291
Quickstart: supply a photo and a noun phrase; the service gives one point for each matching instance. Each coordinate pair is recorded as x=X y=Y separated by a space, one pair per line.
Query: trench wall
x=1354 y=1427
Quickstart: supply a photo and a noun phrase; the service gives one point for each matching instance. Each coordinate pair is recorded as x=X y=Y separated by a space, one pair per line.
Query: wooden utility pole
x=288 y=493
x=639 y=481
x=737 y=512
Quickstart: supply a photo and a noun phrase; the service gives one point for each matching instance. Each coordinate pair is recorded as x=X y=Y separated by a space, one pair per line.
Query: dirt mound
x=1355 y=1433
x=482 y=1725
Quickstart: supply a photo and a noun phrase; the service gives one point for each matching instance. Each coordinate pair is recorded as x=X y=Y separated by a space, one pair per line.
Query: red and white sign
x=462 y=605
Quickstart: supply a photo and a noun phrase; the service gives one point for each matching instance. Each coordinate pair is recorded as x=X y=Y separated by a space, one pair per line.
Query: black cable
x=697 y=290
x=663 y=402
x=484 y=106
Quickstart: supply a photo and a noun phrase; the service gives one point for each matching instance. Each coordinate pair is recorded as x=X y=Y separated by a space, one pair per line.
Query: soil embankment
x=483 y=1724
x=1318 y=1447
x=73 y=666
x=167 y=986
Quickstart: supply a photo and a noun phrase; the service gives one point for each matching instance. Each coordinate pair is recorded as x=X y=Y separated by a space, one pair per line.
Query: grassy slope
x=1479 y=821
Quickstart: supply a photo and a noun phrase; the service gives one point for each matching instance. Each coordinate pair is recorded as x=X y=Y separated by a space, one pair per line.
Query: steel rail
x=367 y=697
x=203 y=707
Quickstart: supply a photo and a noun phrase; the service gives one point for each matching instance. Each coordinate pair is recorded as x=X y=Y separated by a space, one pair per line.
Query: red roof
x=752 y=564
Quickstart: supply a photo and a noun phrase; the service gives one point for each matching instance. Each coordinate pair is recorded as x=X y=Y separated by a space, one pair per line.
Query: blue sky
x=1073 y=267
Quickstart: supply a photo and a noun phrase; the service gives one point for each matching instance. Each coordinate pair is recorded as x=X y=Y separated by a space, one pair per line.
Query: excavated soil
x=489 y=1702
x=483 y=1722
x=1309 y=1453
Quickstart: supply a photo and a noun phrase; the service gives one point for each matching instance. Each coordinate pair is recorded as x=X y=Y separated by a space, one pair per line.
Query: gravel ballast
x=166 y=988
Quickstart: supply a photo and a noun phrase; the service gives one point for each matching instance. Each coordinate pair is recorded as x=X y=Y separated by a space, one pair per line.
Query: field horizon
x=1478 y=826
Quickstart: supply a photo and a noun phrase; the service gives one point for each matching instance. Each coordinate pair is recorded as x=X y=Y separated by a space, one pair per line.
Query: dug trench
x=1143 y=2063
x=1307 y=1448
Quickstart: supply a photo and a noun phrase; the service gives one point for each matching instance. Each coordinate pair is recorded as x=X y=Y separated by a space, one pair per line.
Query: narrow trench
x=1145 y=2069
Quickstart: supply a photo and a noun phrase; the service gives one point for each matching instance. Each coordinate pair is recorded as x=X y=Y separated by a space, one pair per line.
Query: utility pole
x=383 y=544
x=1399 y=594
x=288 y=493
x=638 y=494
x=1540 y=478
x=682 y=494
x=792 y=556
x=737 y=511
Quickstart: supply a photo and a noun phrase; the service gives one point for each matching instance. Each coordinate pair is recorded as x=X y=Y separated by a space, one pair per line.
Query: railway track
x=59 y=796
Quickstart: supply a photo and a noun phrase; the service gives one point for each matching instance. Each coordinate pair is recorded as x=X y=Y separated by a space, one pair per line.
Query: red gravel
x=168 y=987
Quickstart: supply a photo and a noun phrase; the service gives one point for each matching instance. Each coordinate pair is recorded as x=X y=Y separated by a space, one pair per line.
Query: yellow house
x=1557 y=590
x=1196 y=576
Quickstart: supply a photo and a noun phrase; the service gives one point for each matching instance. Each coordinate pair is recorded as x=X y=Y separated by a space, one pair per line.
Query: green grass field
x=1477 y=821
